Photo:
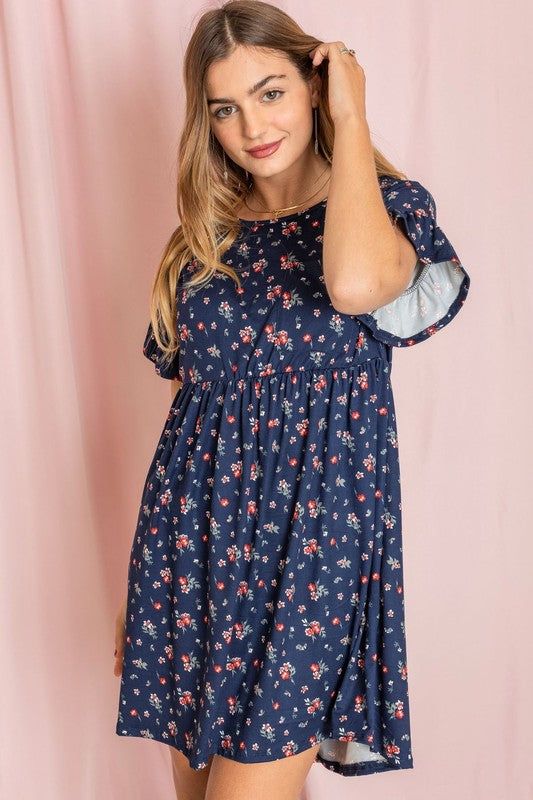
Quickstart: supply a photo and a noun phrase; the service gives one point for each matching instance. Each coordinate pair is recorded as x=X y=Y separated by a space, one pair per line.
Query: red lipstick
x=263 y=150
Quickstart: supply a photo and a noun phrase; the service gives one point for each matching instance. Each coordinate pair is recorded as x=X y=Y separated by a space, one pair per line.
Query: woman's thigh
x=282 y=778
x=190 y=784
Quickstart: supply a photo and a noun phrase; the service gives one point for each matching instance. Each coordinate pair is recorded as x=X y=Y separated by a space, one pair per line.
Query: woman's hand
x=120 y=637
x=346 y=82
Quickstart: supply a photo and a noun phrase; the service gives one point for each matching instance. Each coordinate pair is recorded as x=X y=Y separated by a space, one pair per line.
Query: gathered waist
x=375 y=364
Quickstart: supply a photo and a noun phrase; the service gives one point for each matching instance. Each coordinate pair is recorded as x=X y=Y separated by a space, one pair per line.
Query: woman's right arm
x=120 y=620
x=175 y=384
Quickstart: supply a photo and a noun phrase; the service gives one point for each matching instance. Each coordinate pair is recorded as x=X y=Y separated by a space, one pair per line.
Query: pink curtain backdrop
x=92 y=104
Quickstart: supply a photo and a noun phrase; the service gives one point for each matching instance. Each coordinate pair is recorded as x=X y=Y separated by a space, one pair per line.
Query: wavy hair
x=206 y=203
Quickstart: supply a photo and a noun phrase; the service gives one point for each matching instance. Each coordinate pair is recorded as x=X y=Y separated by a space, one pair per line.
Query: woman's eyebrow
x=251 y=90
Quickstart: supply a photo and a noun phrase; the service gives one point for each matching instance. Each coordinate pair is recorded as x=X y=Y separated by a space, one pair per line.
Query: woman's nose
x=253 y=126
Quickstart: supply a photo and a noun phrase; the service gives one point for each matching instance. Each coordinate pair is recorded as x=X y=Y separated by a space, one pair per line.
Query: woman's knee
x=190 y=784
x=282 y=778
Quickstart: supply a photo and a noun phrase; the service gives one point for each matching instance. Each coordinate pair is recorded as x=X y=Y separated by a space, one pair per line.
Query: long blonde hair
x=206 y=203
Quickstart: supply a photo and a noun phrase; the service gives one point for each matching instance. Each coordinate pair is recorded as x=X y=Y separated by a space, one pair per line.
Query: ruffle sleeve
x=439 y=284
x=152 y=351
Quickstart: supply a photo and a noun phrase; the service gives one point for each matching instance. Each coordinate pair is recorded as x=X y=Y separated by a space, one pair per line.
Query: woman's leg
x=281 y=779
x=190 y=784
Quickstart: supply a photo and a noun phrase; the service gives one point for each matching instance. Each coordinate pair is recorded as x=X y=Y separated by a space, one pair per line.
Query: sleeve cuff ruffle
x=440 y=283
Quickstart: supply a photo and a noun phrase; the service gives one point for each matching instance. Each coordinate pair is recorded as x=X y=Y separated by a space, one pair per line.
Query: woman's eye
x=270 y=91
x=274 y=91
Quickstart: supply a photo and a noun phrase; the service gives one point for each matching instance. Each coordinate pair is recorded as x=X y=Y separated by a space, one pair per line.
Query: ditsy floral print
x=265 y=608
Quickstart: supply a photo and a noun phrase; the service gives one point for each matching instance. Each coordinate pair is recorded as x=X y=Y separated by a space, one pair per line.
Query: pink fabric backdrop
x=91 y=108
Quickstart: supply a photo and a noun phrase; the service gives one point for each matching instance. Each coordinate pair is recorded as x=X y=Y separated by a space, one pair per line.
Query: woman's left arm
x=367 y=261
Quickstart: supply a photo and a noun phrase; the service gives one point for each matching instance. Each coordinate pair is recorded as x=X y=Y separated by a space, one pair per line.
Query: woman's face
x=244 y=115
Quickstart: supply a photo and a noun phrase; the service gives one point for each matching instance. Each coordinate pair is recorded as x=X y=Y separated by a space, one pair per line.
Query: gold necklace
x=277 y=211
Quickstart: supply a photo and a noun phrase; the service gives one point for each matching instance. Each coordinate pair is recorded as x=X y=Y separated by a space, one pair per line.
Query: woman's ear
x=315 y=83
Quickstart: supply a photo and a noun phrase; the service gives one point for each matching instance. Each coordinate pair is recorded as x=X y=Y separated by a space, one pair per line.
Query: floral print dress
x=265 y=610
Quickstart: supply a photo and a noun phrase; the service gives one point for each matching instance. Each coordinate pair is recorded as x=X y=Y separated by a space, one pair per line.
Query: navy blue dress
x=265 y=609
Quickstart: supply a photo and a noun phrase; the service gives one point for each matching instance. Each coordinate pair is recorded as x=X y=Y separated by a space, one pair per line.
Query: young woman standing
x=264 y=626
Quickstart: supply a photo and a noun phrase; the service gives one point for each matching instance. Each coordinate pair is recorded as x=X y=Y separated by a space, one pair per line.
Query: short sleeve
x=152 y=351
x=440 y=283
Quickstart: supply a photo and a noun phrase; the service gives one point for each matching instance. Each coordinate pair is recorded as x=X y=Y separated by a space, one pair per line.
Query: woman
x=265 y=615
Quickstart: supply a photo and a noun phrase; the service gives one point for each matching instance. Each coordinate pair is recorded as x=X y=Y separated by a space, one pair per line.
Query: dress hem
x=344 y=770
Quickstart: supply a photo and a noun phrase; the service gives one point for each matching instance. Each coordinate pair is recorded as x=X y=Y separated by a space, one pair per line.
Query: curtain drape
x=92 y=104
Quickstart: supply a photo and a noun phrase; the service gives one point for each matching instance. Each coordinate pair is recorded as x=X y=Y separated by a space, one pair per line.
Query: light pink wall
x=91 y=109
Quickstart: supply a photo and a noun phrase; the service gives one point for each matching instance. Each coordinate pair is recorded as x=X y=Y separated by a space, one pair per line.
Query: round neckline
x=285 y=216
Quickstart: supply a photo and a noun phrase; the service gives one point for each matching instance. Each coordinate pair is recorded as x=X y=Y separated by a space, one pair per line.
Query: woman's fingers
x=346 y=81
x=325 y=50
x=120 y=637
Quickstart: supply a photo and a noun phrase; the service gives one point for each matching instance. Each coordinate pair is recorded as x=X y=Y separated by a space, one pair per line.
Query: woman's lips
x=265 y=151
